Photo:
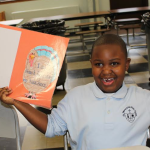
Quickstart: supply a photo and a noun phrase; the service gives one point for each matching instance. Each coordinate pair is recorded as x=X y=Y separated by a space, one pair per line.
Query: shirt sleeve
x=57 y=120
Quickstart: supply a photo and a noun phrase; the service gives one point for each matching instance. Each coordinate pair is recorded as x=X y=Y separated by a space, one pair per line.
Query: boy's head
x=109 y=62
x=108 y=39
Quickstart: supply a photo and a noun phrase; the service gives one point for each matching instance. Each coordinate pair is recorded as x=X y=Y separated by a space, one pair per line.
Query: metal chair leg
x=82 y=39
x=65 y=142
x=117 y=30
x=133 y=33
x=127 y=36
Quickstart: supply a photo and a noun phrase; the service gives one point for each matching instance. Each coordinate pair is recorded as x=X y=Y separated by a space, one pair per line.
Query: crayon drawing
x=41 y=69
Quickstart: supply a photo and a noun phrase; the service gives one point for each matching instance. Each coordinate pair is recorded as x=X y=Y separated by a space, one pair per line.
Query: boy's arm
x=38 y=119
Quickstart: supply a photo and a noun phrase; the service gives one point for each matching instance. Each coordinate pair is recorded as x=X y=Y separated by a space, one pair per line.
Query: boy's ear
x=128 y=63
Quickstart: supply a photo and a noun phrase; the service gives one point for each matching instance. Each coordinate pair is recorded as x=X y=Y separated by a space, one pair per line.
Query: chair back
x=9 y=123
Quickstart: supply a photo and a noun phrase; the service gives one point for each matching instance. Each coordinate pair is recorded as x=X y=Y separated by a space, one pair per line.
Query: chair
x=2 y=16
x=9 y=123
x=139 y=45
x=148 y=139
x=62 y=75
x=127 y=21
x=66 y=141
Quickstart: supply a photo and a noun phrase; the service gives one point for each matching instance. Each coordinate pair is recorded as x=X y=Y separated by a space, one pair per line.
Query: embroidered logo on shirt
x=129 y=113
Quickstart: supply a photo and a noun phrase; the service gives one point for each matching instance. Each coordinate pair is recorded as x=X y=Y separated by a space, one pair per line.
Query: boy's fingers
x=4 y=98
x=4 y=92
x=2 y=89
x=5 y=89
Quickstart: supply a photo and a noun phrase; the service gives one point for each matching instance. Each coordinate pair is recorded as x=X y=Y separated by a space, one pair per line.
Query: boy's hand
x=4 y=93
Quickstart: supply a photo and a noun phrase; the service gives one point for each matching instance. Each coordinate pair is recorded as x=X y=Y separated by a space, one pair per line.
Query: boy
x=100 y=115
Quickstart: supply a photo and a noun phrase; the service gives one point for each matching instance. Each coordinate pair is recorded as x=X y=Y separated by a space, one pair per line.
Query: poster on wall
x=31 y=63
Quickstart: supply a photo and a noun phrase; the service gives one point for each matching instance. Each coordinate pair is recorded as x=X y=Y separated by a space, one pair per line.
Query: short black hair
x=110 y=39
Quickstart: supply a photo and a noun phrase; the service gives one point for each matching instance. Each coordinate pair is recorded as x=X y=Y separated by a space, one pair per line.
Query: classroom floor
x=79 y=73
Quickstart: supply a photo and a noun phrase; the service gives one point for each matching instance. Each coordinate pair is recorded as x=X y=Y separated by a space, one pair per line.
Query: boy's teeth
x=107 y=80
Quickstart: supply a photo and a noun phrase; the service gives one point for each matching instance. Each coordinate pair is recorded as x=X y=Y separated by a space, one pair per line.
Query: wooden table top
x=88 y=15
x=129 y=10
x=73 y=16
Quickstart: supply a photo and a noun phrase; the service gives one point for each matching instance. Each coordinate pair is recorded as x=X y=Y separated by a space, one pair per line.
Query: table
x=88 y=15
x=11 y=22
x=130 y=10
x=131 y=148
x=124 y=11
x=74 y=16
x=77 y=16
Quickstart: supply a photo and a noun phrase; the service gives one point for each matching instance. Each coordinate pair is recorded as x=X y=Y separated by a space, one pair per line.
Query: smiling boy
x=109 y=63
x=100 y=115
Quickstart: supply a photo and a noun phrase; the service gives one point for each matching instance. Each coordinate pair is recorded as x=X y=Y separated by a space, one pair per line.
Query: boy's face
x=109 y=64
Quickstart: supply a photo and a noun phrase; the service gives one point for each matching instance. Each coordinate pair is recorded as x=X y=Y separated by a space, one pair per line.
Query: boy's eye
x=99 y=64
x=114 y=63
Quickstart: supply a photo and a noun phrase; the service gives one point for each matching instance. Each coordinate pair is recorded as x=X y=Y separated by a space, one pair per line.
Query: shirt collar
x=118 y=95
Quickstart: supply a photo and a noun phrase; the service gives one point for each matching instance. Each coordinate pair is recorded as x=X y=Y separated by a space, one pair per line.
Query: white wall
x=41 y=4
x=83 y=5
x=104 y=5
x=36 y=4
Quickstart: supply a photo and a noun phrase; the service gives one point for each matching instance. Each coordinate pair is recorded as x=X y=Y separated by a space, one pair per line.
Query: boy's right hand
x=34 y=116
x=4 y=95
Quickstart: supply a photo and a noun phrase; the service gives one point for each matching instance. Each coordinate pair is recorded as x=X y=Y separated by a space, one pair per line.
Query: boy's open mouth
x=108 y=81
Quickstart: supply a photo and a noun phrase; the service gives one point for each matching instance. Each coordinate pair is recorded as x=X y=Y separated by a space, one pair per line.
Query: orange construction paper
x=37 y=65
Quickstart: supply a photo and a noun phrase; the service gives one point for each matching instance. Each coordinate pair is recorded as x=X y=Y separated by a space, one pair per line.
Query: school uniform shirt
x=99 y=121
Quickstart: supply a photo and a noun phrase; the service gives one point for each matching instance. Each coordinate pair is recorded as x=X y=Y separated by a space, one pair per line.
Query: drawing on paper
x=41 y=69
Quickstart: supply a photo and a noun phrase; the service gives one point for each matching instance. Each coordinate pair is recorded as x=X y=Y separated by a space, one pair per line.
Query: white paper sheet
x=9 y=41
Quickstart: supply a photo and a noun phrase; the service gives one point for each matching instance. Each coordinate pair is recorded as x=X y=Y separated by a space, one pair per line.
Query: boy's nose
x=106 y=70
